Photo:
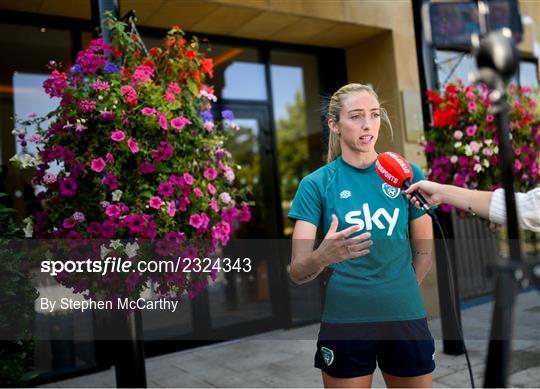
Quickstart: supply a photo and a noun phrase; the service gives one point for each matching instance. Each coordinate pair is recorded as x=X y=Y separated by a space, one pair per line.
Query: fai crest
x=390 y=191
x=328 y=355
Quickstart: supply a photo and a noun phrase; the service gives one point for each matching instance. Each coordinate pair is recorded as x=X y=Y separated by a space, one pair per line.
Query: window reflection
x=295 y=93
x=238 y=73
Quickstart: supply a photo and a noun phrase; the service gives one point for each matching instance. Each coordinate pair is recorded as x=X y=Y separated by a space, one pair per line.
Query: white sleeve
x=528 y=209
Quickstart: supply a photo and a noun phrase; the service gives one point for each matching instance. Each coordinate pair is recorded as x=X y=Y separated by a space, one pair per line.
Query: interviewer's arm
x=474 y=201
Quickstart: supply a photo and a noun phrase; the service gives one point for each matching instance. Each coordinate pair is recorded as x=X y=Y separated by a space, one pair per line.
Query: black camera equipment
x=491 y=30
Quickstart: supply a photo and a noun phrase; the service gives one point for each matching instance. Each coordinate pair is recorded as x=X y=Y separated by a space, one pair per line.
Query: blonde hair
x=334 y=108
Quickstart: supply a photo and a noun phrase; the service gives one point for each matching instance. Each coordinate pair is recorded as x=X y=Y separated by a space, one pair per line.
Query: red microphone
x=396 y=172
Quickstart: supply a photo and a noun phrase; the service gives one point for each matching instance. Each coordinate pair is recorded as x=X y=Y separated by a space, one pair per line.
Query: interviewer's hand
x=431 y=191
x=337 y=248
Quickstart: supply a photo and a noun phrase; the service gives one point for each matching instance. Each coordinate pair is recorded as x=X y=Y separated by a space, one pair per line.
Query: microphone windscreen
x=393 y=169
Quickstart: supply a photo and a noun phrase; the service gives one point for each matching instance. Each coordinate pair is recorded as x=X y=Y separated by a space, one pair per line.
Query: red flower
x=444 y=117
x=190 y=54
x=434 y=97
x=208 y=66
x=154 y=51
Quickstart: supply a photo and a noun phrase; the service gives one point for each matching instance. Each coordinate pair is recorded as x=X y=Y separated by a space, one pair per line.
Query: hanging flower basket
x=462 y=144
x=133 y=154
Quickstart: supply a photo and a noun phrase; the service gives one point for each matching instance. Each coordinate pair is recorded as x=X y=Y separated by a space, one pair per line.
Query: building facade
x=276 y=64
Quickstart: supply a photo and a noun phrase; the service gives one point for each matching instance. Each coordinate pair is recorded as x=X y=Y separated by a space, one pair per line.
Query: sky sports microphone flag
x=396 y=171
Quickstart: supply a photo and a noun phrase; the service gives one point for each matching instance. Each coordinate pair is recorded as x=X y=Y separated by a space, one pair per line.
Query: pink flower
x=78 y=216
x=489 y=118
x=458 y=134
x=148 y=111
x=142 y=74
x=162 y=120
x=180 y=122
x=229 y=174
x=188 y=178
x=471 y=106
x=130 y=95
x=517 y=165
x=198 y=192
x=166 y=189
x=214 y=205
x=475 y=146
x=244 y=215
x=112 y=211
x=208 y=126
x=171 y=209
x=222 y=232
x=155 y=202
x=195 y=221
x=470 y=95
x=87 y=105
x=174 y=88
x=110 y=158
x=169 y=97
x=118 y=135
x=100 y=85
x=133 y=146
x=68 y=223
x=471 y=130
x=146 y=168
x=98 y=165
x=211 y=189
x=210 y=173
x=163 y=152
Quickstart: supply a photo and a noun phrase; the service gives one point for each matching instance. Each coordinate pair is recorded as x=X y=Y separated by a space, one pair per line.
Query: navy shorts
x=400 y=348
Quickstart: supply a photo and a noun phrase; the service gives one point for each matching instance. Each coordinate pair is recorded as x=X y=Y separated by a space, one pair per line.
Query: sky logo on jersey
x=390 y=191
x=366 y=219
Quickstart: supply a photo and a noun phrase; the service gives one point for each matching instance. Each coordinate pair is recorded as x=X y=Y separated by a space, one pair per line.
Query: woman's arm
x=474 y=201
x=421 y=232
x=307 y=264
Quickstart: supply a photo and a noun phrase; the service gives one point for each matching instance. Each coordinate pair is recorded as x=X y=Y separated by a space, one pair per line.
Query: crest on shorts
x=328 y=355
x=390 y=191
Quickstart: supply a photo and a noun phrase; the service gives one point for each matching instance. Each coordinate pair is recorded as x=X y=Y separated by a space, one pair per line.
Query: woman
x=373 y=309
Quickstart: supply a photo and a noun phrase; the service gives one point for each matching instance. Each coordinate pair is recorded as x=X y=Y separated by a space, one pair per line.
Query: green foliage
x=16 y=306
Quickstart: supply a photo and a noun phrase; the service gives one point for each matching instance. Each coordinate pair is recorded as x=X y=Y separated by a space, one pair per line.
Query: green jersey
x=380 y=286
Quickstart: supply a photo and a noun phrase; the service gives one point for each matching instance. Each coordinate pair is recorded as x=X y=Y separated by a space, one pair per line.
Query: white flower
x=457 y=145
x=25 y=160
x=496 y=150
x=29 y=227
x=468 y=151
x=488 y=141
x=225 y=197
x=115 y=244
x=131 y=249
x=453 y=158
x=478 y=168
x=104 y=251
x=116 y=195
x=485 y=162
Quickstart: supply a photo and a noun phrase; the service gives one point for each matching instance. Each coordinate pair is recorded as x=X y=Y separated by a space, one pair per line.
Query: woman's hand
x=337 y=248
x=431 y=191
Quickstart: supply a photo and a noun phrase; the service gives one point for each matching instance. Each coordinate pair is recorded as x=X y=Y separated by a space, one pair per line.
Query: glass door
x=250 y=299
